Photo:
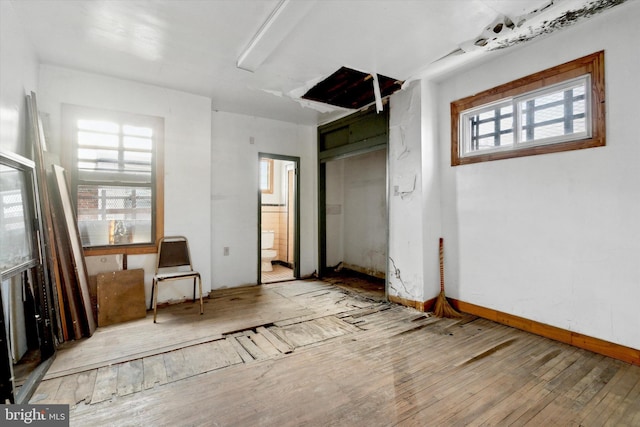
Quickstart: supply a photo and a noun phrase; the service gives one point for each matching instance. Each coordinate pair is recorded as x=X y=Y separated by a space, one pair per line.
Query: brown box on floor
x=120 y=296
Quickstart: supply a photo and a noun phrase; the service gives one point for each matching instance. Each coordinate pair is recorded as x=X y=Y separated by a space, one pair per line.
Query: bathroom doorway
x=278 y=213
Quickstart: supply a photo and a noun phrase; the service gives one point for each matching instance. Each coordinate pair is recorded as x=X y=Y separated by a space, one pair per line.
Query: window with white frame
x=115 y=158
x=558 y=109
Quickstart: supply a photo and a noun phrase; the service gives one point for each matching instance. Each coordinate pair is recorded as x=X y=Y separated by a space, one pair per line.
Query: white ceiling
x=194 y=45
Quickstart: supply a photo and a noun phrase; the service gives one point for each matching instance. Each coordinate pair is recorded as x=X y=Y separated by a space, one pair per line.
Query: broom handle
x=441 y=249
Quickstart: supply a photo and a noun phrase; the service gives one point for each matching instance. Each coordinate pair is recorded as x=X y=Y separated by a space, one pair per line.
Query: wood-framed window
x=115 y=166
x=558 y=109
x=266 y=176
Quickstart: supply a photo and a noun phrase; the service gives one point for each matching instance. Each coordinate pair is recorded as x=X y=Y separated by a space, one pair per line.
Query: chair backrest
x=173 y=251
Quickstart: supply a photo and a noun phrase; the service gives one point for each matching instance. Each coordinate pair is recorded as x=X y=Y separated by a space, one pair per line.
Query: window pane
x=551 y=113
x=485 y=143
x=137 y=161
x=98 y=126
x=98 y=140
x=15 y=220
x=137 y=143
x=111 y=166
x=547 y=99
x=137 y=157
x=548 y=131
x=487 y=127
x=490 y=127
x=554 y=115
x=580 y=125
x=264 y=175
x=114 y=215
x=137 y=131
x=93 y=154
x=486 y=115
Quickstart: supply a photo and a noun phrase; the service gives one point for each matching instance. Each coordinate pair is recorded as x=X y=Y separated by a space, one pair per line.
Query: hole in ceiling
x=349 y=88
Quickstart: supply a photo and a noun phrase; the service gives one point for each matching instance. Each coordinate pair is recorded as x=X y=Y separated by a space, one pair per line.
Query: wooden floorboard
x=154 y=371
x=178 y=326
x=106 y=384
x=130 y=377
x=339 y=358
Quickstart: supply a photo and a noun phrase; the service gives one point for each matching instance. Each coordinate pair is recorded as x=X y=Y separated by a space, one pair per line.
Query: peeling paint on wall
x=566 y=19
x=405 y=201
x=397 y=284
x=507 y=31
x=404 y=185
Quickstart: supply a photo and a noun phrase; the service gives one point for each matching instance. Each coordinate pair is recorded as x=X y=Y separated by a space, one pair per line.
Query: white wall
x=187 y=153
x=234 y=200
x=18 y=77
x=431 y=191
x=334 y=228
x=554 y=237
x=406 y=276
x=365 y=213
x=356 y=191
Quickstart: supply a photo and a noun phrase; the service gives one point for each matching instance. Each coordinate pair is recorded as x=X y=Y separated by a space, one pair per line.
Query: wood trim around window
x=159 y=215
x=591 y=64
x=70 y=113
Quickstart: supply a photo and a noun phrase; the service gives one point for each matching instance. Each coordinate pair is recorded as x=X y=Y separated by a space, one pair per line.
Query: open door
x=278 y=213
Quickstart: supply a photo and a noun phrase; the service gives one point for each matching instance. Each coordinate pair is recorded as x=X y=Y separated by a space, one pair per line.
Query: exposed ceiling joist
x=348 y=88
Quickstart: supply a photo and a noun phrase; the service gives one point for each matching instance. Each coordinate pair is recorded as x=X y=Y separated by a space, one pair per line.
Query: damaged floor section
x=316 y=353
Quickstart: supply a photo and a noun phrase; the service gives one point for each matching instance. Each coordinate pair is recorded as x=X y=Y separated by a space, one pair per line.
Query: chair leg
x=201 y=303
x=194 y=289
x=153 y=288
x=155 y=300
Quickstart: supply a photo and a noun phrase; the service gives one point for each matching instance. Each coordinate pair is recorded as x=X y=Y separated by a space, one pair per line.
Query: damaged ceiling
x=352 y=89
x=260 y=57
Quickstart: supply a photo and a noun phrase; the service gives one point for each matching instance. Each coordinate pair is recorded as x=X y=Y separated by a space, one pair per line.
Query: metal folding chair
x=174 y=263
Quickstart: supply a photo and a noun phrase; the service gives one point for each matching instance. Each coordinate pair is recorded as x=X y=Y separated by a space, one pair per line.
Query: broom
x=442 y=308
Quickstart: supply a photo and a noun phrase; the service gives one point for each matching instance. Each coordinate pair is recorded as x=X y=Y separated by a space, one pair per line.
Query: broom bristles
x=442 y=308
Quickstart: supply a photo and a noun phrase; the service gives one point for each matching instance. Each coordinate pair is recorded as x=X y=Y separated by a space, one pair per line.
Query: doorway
x=278 y=218
x=356 y=214
x=353 y=189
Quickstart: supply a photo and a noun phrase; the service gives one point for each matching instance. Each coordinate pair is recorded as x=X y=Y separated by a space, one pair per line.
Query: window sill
x=117 y=250
x=530 y=151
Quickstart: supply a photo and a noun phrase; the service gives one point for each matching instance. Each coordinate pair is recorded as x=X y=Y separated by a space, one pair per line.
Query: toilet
x=267 y=254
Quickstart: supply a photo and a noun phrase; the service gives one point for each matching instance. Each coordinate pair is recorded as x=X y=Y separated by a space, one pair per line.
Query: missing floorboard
x=251 y=328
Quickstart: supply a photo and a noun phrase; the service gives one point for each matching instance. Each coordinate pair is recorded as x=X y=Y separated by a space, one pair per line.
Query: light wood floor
x=312 y=353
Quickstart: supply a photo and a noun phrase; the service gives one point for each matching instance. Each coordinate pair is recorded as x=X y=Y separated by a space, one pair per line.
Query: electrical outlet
x=226 y=251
